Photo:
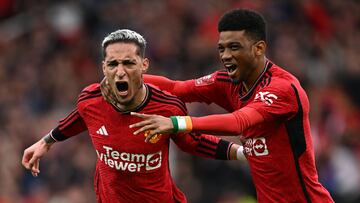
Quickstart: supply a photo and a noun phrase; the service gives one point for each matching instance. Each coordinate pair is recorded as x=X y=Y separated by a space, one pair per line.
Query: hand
x=155 y=124
x=32 y=155
x=237 y=152
x=107 y=93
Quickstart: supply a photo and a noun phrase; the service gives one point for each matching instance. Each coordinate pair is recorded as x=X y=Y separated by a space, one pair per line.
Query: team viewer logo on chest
x=131 y=162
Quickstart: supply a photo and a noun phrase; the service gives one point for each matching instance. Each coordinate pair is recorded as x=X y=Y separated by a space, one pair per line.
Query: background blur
x=49 y=51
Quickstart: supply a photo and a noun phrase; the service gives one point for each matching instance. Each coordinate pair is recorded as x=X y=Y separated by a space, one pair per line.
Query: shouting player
x=127 y=168
x=269 y=109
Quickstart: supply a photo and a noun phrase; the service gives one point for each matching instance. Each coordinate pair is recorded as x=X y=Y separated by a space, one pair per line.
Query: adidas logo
x=102 y=131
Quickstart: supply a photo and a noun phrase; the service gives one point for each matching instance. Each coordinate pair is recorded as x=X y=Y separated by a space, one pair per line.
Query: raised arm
x=204 y=89
x=164 y=83
x=221 y=124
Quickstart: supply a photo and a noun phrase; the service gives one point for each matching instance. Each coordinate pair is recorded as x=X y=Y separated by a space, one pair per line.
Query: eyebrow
x=229 y=44
x=120 y=61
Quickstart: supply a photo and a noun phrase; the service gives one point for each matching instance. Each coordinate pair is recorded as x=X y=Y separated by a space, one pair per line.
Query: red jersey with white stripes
x=280 y=149
x=127 y=168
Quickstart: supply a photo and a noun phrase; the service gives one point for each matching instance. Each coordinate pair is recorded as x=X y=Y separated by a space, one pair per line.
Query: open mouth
x=122 y=87
x=231 y=68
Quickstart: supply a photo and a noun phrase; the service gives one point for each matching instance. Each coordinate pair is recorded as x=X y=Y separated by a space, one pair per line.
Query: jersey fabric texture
x=280 y=149
x=127 y=168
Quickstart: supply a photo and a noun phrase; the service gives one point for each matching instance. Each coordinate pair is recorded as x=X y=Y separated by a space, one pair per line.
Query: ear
x=260 y=48
x=145 y=65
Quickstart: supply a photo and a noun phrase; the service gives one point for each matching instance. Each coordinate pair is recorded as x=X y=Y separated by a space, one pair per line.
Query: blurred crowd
x=50 y=50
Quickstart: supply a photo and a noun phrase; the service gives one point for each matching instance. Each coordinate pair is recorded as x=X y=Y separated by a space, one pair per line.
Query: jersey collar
x=248 y=94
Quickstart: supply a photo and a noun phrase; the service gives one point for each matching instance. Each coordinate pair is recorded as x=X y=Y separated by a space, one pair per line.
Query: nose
x=226 y=55
x=120 y=71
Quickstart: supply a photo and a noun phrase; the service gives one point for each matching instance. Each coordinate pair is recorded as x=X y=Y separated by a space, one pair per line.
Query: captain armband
x=49 y=139
x=181 y=123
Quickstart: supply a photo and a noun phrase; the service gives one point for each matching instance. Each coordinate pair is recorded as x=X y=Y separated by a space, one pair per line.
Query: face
x=123 y=68
x=239 y=54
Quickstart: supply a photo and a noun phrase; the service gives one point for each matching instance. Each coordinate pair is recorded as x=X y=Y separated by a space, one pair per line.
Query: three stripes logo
x=102 y=131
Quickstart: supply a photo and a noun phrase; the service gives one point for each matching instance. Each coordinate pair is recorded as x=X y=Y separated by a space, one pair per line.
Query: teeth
x=230 y=67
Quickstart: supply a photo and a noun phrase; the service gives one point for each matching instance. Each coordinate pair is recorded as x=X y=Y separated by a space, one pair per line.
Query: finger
x=34 y=174
x=35 y=169
x=25 y=160
x=103 y=81
x=140 y=115
x=140 y=124
x=32 y=162
x=103 y=85
x=112 y=96
x=143 y=129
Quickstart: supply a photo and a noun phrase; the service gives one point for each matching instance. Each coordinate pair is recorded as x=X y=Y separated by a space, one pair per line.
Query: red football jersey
x=280 y=150
x=127 y=168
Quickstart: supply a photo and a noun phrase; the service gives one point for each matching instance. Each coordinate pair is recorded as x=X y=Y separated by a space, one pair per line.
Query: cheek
x=136 y=76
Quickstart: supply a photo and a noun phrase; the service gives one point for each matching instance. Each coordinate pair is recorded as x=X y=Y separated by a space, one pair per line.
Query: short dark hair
x=243 y=19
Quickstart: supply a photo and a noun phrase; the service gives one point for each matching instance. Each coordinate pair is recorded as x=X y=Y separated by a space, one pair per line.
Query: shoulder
x=219 y=76
x=167 y=100
x=279 y=78
x=279 y=84
x=89 y=92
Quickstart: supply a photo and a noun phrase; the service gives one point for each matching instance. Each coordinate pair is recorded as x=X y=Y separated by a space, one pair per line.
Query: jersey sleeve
x=70 y=126
x=203 y=145
x=205 y=89
x=198 y=144
x=275 y=102
x=73 y=124
x=235 y=122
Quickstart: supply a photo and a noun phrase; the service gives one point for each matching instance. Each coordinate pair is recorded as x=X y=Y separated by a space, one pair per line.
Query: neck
x=254 y=75
x=136 y=102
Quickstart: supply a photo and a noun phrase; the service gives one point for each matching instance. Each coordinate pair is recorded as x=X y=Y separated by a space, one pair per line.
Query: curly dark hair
x=243 y=19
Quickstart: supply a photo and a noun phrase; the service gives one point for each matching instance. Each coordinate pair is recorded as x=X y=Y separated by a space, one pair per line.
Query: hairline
x=138 y=48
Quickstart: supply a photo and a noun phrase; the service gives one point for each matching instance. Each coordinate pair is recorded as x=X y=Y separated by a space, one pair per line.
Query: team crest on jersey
x=256 y=147
x=205 y=80
x=266 y=97
x=155 y=138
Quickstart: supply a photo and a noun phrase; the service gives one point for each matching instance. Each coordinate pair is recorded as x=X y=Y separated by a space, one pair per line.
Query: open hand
x=106 y=92
x=153 y=125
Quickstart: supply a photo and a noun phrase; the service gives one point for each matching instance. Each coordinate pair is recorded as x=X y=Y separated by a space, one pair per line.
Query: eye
x=221 y=49
x=128 y=62
x=112 y=64
x=234 y=47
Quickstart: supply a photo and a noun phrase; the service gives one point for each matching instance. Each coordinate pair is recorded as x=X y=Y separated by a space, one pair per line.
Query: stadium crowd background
x=49 y=51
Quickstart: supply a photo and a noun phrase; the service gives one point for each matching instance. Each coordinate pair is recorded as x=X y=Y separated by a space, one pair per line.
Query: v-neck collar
x=248 y=94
